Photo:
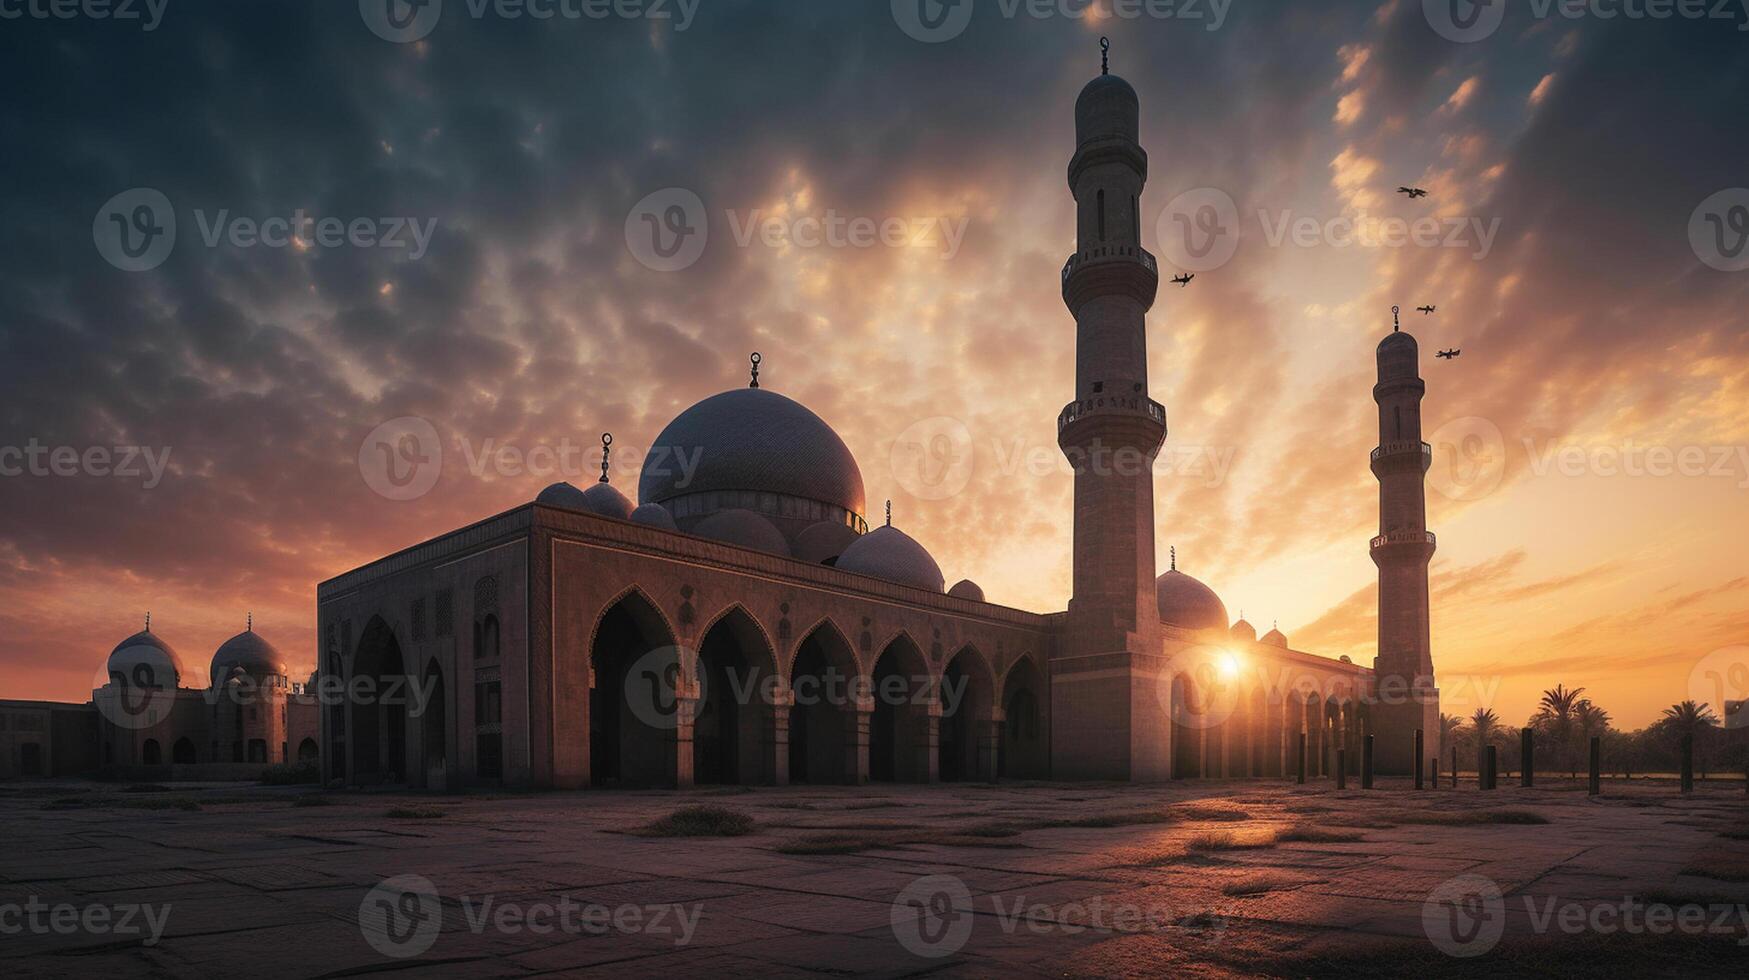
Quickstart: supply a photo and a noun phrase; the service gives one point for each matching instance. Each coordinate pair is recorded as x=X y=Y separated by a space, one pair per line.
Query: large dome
x=889 y=553
x=1187 y=603
x=144 y=660
x=732 y=448
x=250 y=653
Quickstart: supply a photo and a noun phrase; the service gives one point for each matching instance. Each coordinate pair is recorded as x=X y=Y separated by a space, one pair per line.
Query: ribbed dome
x=753 y=440
x=655 y=515
x=145 y=660
x=1275 y=638
x=743 y=528
x=1187 y=603
x=889 y=553
x=824 y=542
x=1106 y=107
x=1244 y=631
x=250 y=653
x=967 y=589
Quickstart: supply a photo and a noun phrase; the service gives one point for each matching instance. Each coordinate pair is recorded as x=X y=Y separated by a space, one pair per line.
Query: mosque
x=744 y=624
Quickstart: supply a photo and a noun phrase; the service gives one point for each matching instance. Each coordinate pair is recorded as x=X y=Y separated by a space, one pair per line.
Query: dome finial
x=1396 y=319
x=606 y=445
x=148 y=620
x=1175 y=558
x=250 y=628
x=1104 y=56
x=889 y=513
x=755 y=359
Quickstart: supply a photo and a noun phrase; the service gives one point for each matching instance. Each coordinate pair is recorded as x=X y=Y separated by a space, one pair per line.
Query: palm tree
x=1693 y=720
x=1590 y=720
x=1450 y=730
x=1483 y=723
x=1554 y=718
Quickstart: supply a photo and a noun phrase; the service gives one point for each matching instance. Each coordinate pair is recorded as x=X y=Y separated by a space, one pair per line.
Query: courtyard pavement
x=1208 y=878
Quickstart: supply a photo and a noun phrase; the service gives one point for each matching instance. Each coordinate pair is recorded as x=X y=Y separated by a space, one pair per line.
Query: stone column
x=857 y=722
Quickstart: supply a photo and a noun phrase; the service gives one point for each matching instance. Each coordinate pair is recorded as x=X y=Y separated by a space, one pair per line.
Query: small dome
x=967 y=589
x=144 y=660
x=889 y=553
x=1244 y=631
x=249 y=653
x=1398 y=356
x=743 y=528
x=655 y=515
x=824 y=542
x=1187 y=603
x=751 y=440
x=1107 y=107
x=600 y=498
x=1275 y=638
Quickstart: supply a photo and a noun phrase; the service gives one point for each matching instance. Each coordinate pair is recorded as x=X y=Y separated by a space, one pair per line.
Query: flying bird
x=1426 y=310
x=1184 y=280
x=1413 y=192
x=1448 y=354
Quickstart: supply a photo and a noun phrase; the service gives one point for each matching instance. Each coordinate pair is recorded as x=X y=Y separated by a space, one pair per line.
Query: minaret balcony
x=1415 y=540
x=1103 y=270
x=1132 y=406
x=1397 y=455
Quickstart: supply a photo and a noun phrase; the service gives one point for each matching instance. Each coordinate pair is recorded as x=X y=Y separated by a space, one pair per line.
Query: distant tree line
x=1565 y=721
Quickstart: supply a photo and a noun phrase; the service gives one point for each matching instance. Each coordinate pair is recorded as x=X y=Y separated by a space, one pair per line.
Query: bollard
x=1688 y=763
x=1491 y=762
x=1302 y=771
x=1366 y=763
x=1596 y=766
x=1527 y=754
x=1421 y=760
x=1454 y=767
x=1436 y=772
x=1341 y=768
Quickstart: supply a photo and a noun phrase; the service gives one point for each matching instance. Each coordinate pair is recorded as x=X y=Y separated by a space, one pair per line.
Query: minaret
x=1103 y=690
x=1403 y=671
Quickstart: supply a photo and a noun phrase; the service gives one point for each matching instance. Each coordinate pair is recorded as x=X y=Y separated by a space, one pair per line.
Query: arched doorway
x=729 y=736
x=182 y=753
x=434 y=727
x=1187 y=737
x=1025 y=752
x=379 y=707
x=820 y=721
x=967 y=696
x=898 y=738
x=308 y=751
x=633 y=656
x=150 y=754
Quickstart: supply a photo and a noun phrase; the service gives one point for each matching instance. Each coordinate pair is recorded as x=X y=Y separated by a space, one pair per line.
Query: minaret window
x=1398 y=412
x=1136 y=219
x=1102 y=216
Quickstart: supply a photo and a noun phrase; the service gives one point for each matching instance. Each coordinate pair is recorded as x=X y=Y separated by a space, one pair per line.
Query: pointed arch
x=902 y=728
x=645 y=606
x=633 y=653
x=733 y=732
x=378 y=709
x=824 y=744
x=967 y=746
x=1024 y=737
x=829 y=634
x=748 y=629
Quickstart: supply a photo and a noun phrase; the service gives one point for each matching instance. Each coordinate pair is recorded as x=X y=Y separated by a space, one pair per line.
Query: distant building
x=743 y=624
x=153 y=719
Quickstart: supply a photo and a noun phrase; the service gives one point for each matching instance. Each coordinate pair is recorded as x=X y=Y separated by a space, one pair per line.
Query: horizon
x=1591 y=441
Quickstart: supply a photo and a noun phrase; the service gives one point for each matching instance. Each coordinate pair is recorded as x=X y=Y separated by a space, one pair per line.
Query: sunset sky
x=1590 y=319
